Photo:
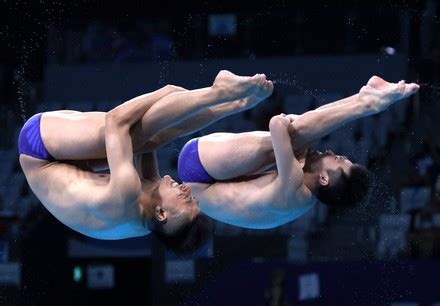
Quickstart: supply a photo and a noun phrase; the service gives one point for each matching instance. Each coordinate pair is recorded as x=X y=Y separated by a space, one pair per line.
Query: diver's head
x=335 y=180
x=176 y=219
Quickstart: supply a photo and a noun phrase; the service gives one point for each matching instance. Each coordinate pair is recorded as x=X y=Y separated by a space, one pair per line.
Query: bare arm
x=147 y=165
x=166 y=107
x=145 y=159
x=293 y=196
x=290 y=173
x=247 y=203
x=124 y=186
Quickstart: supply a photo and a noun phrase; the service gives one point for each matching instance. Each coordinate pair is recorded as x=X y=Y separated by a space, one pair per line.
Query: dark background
x=93 y=55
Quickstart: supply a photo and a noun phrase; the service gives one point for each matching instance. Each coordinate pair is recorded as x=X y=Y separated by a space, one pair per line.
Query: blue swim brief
x=189 y=165
x=30 y=142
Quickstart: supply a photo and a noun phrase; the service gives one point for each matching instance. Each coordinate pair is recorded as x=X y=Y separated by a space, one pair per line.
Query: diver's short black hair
x=190 y=238
x=347 y=190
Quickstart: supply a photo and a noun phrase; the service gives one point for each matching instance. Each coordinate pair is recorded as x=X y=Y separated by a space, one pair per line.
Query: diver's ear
x=323 y=179
x=160 y=214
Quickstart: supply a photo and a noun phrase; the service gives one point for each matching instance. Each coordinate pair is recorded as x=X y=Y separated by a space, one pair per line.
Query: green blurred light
x=77 y=274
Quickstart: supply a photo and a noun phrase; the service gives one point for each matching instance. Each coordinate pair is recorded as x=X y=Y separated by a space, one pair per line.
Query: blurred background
x=93 y=55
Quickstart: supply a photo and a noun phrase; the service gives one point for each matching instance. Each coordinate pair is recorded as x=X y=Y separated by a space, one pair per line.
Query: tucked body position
x=265 y=179
x=57 y=150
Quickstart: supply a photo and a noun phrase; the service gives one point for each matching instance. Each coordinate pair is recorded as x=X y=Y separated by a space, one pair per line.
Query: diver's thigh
x=74 y=135
x=228 y=155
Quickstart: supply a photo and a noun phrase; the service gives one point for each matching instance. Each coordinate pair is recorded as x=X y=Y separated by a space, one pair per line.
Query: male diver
x=228 y=173
x=126 y=203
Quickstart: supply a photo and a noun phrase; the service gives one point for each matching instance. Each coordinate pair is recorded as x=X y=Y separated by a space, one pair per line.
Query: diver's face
x=327 y=161
x=336 y=163
x=178 y=202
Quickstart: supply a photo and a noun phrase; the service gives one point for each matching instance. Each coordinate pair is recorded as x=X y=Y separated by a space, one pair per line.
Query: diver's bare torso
x=254 y=202
x=79 y=200
x=259 y=200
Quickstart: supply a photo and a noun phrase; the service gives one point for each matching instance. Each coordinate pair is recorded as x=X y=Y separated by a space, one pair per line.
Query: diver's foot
x=233 y=87
x=379 y=94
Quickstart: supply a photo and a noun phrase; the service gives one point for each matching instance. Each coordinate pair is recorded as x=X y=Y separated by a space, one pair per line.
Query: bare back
x=79 y=200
